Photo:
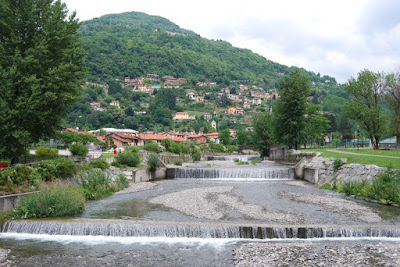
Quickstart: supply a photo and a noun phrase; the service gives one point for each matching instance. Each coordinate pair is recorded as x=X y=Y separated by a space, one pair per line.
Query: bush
x=175 y=148
x=59 y=168
x=78 y=150
x=122 y=182
x=255 y=161
x=96 y=184
x=127 y=158
x=100 y=164
x=236 y=160
x=242 y=162
x=196 y=156
x=178 y=162
x=386 y=187
x=45 y=151
x=152 y=147
x=153 y=162
x=337 y=164
x=53 y=201
x=18 y=176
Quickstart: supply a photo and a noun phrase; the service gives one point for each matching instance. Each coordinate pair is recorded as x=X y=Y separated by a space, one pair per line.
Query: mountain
x=135 y=44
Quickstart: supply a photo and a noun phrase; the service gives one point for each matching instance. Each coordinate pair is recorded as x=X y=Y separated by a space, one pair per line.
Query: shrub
x=127 y=158
x=196 y=156
x=236 y=160
x=386 y=187
x=78 y=150
x=326 y=186
x=96 y=184
x=153 y=162
x=18 y=176
x=255 y=161
x=59 y=168
x=337 y=164
x=101 y=164
x=175 y=148
x=121 y=182
x=178 y=162
x=152 y=147
x=45 y=151
x=242 y=162
x=53 y=201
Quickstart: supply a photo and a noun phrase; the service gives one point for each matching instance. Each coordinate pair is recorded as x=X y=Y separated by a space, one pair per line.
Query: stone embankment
x=321 y=170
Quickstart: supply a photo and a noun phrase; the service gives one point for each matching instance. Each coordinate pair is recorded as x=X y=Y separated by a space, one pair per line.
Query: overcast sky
x=333 y=37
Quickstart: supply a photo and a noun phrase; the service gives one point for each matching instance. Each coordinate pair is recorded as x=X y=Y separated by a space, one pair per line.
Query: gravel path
x=137 y=187
x=336 y=205
x=317 y=254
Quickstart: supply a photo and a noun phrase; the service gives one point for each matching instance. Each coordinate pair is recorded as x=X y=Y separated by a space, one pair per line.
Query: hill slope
x=135 y=44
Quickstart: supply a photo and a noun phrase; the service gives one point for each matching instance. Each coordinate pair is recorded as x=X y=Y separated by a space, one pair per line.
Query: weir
x=118 y=228
x=231 y=173
x=234 y=157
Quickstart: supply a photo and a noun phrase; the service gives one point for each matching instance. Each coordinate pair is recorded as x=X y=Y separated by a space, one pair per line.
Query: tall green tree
x=392 y=94
x=263 y=135
x=366 y=93
x=41 y=66
x=315 y=124
x=291 y=108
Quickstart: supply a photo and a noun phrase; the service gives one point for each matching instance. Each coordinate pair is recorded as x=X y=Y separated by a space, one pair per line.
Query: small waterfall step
x=234 y=157
x=231 y=173
x=122 y=228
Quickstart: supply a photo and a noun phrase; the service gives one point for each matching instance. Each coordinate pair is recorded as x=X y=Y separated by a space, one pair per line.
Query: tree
x=364 y=106
x=114 y=88
x=291 y=108
x=41 y=66
x=392 y=94
x=315 y=124
x=243 y=137
x=224 y=136
x=166 y=98
x=263 y=135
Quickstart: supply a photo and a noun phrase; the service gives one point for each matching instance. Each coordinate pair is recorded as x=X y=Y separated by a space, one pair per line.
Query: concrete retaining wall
x=144 y=175
x=298 y=169
x=10 y=202
x=311 y=175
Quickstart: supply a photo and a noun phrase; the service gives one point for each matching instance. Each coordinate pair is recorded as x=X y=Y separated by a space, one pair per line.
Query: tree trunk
x=398 y=140
x=376 y=143
x=14 y=160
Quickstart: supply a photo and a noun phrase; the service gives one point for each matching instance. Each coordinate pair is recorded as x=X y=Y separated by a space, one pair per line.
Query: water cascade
x=231 y=173
x=234 y=157
x=175 y=230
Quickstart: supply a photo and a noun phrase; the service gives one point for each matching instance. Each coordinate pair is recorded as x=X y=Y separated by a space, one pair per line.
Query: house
x=257 y=101
x=214 y=124
x=213 y=137
x=231 y=110
x=140 y=112
x=207 y=116
x=246 y=104
x=232 y=133
x=96 y=106
x=115 y=103
x=153 y=77
x=389 y=142
x=201 y=84
x=146 y=89
x=234 y=98
x=212 y=84
x=127 y=79
x=191 y=94
x=199 y=99
x=239 y=111
x=226 y=91
x=183 y=116
x=200 y=139
x=121 y=139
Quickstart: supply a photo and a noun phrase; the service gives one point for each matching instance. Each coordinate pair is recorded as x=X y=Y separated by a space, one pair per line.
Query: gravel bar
x=318 y=254
x=137 y=187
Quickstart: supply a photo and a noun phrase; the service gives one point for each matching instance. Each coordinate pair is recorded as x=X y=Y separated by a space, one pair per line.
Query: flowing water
x=131 y=230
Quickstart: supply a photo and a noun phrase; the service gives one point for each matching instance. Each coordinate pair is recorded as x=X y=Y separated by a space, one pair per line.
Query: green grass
x=195 y=113
x=395 y=153
x=107 y=155
x=381 y=162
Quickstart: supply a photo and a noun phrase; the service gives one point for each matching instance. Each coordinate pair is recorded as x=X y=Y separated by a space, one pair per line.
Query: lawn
x=107 y=155
x=382 y=162
x=395 y=153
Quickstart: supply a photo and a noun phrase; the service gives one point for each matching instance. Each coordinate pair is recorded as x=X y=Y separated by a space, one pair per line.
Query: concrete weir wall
x=10 y=202
x=144 y=175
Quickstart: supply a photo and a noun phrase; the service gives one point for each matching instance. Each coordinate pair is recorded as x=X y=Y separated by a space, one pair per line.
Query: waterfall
x=229 y=173
x=233 y=157
x=136 y=229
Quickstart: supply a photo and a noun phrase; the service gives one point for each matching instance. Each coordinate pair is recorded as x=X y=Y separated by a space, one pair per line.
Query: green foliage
x=100 y=164
x=56 y=200
x=236 y=160
x=128 y=158
x=337 y=164
x=315 y=124
x=175 y=148
x=242 y=162
x=114 y=88
x=256 y=161
x=326 y=186
x=69 y=138
x=196 y=156
x=224 y=136
x=387 y=187
x=178 y=162
x=18 y=178
x=153 y=162
x=291 y=108
x=121 y=182
x=45 y=151
x=365 y=105
x=41 y=70
x=53 y=169
x=78 y=150
x=263 y=135
x=96 y=184
x=152 y=147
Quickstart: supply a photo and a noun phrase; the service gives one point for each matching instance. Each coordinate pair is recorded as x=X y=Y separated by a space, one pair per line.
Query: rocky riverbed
x=317 y=254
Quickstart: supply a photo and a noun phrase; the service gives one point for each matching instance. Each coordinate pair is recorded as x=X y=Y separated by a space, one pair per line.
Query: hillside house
x=239 y=111
x=232 y=133
x=226 y=91
x=246 y=104
x=115 y=103
x=153 y=77
x=199 y=99
x=96 y=106
x=207 y=116
x=257 y=101
x=231 y=110
x=214 y=124
x=213 y=137
x=182 y=116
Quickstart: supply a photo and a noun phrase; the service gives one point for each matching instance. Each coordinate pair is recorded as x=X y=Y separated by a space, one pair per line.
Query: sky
x=333 y=37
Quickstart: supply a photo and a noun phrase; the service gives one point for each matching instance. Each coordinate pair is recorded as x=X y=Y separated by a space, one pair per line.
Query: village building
x=246 y=104
x=183 y=116
x=115 y=103
x=239 y=111
x=199 y=99
x=207 y=116
x=153 y=77
x=214 y=124
x=213 y=137
x=96 y=106
x=231 y=110
x=257 y=101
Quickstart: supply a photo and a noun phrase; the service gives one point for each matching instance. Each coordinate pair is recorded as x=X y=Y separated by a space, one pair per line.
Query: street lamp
x=76 y=120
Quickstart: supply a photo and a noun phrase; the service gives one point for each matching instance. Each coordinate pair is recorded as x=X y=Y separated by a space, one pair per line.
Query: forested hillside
x=135 y=44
